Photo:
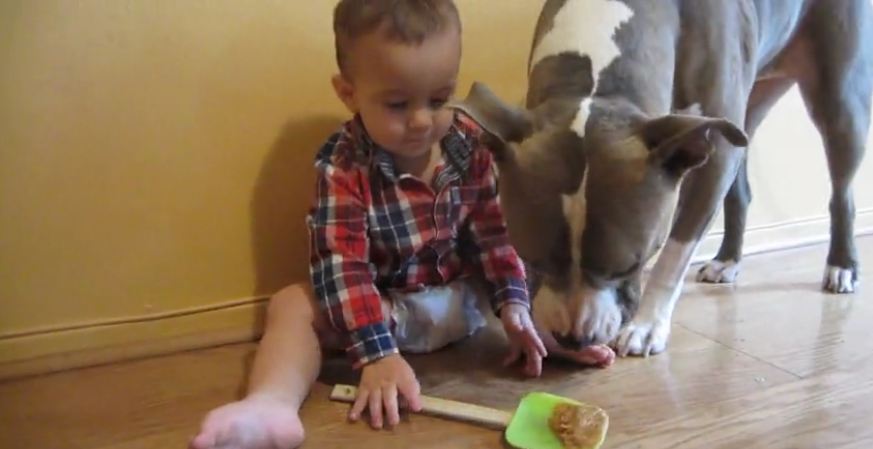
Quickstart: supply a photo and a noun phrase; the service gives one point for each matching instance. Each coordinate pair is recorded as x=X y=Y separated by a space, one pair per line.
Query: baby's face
x=401 y=90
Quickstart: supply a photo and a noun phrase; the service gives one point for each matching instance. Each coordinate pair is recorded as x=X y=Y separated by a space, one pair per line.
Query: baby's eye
x=397 y=105
x=437 y=103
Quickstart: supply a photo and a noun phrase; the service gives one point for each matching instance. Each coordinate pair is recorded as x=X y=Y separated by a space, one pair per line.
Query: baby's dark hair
x=406 y=21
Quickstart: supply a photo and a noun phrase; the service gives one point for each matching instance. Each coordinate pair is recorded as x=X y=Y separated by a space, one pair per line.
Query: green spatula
x=526 y=428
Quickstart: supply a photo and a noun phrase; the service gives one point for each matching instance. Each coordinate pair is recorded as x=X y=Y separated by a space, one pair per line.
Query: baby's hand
x=381 y=381
x=523 y=339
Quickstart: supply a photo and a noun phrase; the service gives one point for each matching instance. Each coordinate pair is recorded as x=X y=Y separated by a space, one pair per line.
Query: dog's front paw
x=643 y=338
x=600 y=319
x=840 y=280
x=718 y=272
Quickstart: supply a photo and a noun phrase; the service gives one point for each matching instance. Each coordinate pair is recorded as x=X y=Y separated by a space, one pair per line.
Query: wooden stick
x=444 y=408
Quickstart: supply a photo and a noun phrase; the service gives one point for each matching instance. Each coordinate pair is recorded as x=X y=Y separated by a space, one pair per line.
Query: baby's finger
x=534 y=365
x=549 y=341
x=389 y=398
x=531 y=335
x=376 y=409
x=411 y=391
x=539 y=345
x=512 y=357
x=359 y=405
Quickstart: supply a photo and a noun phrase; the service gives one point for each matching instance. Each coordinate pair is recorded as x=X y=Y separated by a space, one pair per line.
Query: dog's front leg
x=701 y=192
x=649 y=330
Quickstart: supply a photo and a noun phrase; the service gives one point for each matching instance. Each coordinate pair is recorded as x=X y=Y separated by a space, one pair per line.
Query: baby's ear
x=345 y=91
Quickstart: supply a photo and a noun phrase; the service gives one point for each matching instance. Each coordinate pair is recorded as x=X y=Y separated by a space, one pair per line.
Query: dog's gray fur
x=722 y=65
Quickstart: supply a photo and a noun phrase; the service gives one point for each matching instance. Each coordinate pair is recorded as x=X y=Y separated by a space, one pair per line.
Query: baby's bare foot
x=253 y=423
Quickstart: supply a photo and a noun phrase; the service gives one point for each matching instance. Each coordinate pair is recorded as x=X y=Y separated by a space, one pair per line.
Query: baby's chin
x=412 y=150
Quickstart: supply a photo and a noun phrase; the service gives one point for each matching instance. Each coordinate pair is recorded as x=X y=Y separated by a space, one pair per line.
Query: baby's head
x=398 y=63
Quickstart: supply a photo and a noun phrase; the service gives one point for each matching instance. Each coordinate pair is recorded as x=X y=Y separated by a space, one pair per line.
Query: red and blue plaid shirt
x=373 y=229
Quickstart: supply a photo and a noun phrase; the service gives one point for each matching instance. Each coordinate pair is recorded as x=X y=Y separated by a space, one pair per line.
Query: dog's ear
x=681 y=142
x=503 y=124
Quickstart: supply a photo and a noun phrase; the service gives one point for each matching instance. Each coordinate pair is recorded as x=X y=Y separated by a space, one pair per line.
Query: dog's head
x=588 y=203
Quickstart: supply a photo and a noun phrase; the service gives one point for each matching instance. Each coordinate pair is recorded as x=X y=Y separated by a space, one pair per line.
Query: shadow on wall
x=281 y=200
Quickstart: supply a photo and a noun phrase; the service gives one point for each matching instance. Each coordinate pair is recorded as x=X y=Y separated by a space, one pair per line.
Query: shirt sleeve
x=341 y=273
x=501 y=265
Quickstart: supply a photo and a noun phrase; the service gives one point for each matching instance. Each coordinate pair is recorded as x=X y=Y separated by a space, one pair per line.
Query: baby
x=406 y=234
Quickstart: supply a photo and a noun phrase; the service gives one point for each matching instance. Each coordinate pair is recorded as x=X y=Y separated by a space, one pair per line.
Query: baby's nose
x=422 y=118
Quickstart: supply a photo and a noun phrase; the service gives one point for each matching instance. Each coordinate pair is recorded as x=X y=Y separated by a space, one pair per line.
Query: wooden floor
x=770 y=363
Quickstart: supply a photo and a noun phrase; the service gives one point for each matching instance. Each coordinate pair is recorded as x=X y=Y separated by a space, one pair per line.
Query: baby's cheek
x=397 y=128
x=392 y=131
x=444 y=120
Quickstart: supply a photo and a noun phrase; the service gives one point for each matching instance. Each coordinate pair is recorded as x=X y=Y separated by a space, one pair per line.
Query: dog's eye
x=633 y=268
x=594 y=275
x=624 y=273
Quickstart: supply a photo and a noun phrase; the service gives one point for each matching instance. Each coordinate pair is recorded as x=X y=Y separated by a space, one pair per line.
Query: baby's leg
x=287 y=362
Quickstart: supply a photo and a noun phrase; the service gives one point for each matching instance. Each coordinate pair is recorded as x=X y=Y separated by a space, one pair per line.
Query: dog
x=635 y=127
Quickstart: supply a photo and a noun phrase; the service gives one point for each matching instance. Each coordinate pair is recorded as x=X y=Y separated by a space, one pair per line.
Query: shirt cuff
x=371 y=343
x=510 y=291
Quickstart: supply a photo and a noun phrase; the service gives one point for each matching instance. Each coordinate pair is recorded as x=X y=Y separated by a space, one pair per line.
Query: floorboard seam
x=752 y=356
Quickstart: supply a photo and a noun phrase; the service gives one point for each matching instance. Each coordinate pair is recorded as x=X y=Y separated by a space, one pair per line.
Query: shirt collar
x=457 y=152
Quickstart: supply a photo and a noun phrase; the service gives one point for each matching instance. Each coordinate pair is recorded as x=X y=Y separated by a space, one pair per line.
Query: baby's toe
x=203 y=440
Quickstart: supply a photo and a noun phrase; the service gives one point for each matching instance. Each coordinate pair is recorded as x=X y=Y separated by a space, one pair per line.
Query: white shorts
x=432 y=318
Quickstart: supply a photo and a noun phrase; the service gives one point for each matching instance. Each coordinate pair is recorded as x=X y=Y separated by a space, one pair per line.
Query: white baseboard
x=782 y=236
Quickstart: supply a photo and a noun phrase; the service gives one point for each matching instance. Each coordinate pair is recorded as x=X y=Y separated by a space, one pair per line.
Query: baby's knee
x=296 y=306
x=293 y=302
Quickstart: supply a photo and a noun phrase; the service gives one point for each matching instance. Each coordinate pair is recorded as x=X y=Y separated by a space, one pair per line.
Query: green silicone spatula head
x=529 y=427
x=526 y=428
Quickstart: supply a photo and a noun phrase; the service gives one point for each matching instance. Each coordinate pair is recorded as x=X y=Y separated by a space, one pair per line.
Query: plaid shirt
x=372 y=229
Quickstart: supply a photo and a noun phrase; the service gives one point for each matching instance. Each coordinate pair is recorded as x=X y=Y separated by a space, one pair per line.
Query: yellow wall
x=155 y=157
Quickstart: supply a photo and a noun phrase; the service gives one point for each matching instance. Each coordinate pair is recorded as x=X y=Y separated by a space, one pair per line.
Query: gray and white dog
x=635 y=127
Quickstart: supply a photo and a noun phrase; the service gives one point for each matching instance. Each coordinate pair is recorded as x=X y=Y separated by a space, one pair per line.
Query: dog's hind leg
x=726 y=265
x=838 y=94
